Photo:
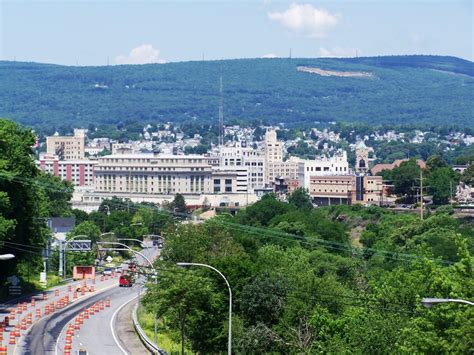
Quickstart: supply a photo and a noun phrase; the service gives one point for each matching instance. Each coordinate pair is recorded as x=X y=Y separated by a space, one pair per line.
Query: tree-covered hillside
x=402 y=89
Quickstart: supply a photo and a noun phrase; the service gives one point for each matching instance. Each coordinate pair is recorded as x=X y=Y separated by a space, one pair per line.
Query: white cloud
x=338 y=52
x=144 y=54
x=269 y=56
x=305 y=20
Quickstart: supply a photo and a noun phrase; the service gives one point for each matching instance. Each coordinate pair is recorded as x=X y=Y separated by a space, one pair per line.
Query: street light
x=430 y=302
x=130 y=249
x=6 y=256
x=229 y=339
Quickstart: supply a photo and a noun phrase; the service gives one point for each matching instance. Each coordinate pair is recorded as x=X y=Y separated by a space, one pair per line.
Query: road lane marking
x=112 y=323
x=81 y=297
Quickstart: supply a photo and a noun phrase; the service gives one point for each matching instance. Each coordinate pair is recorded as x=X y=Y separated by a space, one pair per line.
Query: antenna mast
x=221 y=115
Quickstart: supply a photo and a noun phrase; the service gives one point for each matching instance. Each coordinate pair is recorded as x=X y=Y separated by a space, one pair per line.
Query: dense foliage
x=301 y=284
x=27 y=197
x=409 y=89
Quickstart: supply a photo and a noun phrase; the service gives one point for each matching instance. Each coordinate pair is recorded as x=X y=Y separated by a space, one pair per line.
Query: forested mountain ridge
x=404 y=89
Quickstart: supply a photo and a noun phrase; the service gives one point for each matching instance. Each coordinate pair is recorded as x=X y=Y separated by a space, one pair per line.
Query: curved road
x=100 y=334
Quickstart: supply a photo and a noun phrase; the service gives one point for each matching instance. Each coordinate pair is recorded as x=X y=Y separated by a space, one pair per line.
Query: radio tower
x=221 y=115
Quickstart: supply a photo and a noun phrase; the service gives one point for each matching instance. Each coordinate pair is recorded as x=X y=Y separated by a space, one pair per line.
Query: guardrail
x=143 y=337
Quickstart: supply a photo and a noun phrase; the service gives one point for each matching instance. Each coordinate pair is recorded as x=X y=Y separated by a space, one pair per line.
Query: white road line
x=70 y=305
x=112 y=323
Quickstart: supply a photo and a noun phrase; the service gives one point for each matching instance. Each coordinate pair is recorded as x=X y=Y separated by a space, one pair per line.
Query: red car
x=125 y=281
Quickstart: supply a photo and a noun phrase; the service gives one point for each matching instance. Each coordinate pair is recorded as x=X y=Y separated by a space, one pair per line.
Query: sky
x=137 y=32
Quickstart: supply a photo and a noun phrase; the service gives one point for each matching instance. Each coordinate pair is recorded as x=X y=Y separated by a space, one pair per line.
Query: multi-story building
x=153 y=174
x=346 y=189
x=67 y=147
x=299 y=169
x=79 y=172
x=252 y=160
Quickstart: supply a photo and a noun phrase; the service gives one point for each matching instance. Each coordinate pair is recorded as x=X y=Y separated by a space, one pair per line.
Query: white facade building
x=299 y=169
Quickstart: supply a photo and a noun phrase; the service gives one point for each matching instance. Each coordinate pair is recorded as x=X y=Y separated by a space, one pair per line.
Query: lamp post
x=430 y=302
x=229 y=339
x=6 y=256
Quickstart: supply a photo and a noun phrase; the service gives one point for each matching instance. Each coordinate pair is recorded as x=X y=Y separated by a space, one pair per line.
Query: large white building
x=247 y=161
x=299 y=169
x=153 y=174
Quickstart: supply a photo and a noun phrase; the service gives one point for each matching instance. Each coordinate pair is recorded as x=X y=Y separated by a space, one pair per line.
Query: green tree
x=57 y=195
x=468 y=175
x=301 y=199
x=190 y=304
x=22 y=204
x=405 y=178
x=441 y=182
x=178 y=204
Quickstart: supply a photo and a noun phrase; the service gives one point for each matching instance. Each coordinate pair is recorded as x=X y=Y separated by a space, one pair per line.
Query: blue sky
x=89 y=32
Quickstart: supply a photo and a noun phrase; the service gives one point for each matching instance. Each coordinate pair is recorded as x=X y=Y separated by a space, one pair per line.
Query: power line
x=274 y=233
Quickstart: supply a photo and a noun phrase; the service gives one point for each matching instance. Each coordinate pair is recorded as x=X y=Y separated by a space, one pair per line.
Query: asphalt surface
x=125 y=330
x=103 y=333
x=96 y=335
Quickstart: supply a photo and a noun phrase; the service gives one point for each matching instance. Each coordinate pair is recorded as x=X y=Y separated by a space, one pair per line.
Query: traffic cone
x=12 y=339
x=29 y=319
x=1 y=336
x=25 y=306
x=101 y=305
x=81 y=318
x=92 y=288
x=86 y=313
x=97 y=308
x=107 y=302
x=91 y=311
x=56 y=292
x=38 y=313
x=45 y=296
x=3 y=349
x=74 y=295
x=70 y=329
x=23 y=324
x=67 y=299
x=69 y=288
x=19 y=308
x=68 y=343
x=33 y=302
x=12 y=314
x=77 y=323
x=16 y=330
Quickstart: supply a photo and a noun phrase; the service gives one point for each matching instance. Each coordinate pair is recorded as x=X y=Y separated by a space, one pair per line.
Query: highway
x=106 y=332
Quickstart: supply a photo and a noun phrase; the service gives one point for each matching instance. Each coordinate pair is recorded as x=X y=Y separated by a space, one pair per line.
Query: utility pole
x=421 y=194
x=61 y=258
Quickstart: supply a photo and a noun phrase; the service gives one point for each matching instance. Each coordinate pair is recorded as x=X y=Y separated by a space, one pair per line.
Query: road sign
x=109 y=259
x=79 y=245
x=14 y=290
x=14 y=280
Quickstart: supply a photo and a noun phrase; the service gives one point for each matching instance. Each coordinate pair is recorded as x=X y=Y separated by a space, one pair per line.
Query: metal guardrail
x=143 y=337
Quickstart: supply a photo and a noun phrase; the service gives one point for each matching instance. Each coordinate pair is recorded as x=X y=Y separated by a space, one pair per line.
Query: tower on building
x=362 y=158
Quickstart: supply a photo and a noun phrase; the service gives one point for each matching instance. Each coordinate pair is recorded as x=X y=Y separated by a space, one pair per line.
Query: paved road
x=111 y=331
x=47 y=335
x=97 y=335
